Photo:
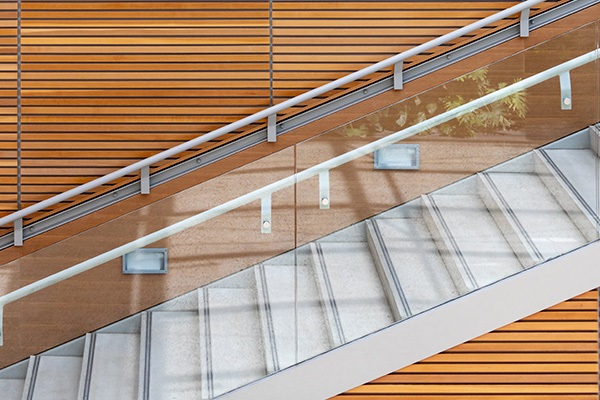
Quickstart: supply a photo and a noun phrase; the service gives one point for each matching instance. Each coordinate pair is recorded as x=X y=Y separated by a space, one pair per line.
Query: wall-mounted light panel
x=398 y=156
x=145 y=261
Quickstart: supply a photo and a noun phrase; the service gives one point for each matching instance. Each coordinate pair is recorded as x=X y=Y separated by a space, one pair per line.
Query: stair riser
x=386 y=274
x=463 y=282
x=565 y=197
x=512 y=233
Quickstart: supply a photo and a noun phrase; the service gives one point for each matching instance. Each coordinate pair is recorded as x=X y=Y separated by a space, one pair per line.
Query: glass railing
x=340 y=236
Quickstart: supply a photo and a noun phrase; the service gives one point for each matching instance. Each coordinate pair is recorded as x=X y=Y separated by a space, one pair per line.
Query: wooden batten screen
x=107 y=83
x=550 y=355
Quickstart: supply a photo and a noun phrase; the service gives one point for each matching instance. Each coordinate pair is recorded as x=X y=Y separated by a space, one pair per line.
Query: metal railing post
x=145 y=180
x=524 y=23
x=18 y=232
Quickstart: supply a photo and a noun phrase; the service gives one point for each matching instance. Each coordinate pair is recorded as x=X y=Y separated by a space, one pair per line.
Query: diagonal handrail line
x=294 y=179
x=135 y=167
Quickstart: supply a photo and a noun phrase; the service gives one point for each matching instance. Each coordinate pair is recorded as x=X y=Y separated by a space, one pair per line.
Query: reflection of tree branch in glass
x=500 y=116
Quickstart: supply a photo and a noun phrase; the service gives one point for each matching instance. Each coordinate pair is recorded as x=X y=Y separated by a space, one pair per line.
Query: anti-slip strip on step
x=147 y=355
x=390 y=268
x=330 y=299
x=91 y=350
x=512 y=214
x=569 y=185
x=268 y=315
x=34 y=372
x=209 y=384
x=453 y=242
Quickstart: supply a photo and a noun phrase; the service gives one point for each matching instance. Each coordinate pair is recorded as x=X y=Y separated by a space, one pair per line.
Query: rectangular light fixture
x=145 y=261
x=398 y=156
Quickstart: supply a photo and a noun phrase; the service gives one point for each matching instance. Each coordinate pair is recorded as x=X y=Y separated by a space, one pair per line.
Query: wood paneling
x=551 y=354
x=108 y=83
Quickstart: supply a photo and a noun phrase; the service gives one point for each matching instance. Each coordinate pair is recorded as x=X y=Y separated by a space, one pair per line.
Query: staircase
x=339 y=288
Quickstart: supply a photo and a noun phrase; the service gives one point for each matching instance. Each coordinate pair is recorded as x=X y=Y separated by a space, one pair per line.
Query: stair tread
x=12 y=389
x=422 y=274
x=357 y=291
x=57 y=378
x=479 y=240
x=174 y=355
x=580 y=167
x=533 y=205
x=115 y=360
x=233 y=341
x=296 y=313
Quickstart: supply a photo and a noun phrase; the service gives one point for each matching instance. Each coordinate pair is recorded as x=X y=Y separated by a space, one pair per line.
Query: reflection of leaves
x=361 y=131
x=503 y=114
x=401 y=121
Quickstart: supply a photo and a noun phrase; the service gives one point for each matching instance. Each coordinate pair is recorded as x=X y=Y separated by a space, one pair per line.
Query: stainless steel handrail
x=267 y=191
x=143 y=165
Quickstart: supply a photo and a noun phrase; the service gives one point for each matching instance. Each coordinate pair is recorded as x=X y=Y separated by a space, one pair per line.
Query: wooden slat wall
x=106 y=83
x=8 y=106
x=315 y=42
x=550 y=355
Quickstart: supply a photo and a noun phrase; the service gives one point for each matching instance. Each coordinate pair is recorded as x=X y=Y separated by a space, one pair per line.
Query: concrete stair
x=378 y=272
x=52 y=378
x=114 y=358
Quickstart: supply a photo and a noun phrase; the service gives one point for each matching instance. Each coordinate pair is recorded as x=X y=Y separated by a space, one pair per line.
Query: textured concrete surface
x=174 y=356
x=231 y=349
x=534 y=206
x=11 y=389
x=582 y=169
x=421 y=272
x=354 y=288
x=57 y=378
x=479 y=240
x=115 y=368
x=298 y=324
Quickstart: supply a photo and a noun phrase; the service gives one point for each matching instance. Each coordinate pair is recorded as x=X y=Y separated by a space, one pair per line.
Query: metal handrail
x=143 y=165
x=323 y=168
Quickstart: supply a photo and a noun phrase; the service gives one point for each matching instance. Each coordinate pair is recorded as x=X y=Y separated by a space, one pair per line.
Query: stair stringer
x=434 y=331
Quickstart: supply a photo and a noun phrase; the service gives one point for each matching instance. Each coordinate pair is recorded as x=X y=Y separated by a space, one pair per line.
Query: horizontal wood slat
x=494 y=371
x=105 y=83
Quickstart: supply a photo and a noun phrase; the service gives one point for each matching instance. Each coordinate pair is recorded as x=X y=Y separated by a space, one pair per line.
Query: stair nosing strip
x=146 y=394
x=512 y=214
x=34 y=372
x=331 y=300
x=268 y=312
x=88 y=367
x=391 y=269
x=572 y=188
x=208 y=343
x=453 y=241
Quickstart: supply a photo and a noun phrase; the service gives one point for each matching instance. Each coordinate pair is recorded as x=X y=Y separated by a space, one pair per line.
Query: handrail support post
x=272 y=128
x=398 y=78
x=145 y=180
x=524 y=23
x=265 y=214
x=18 y=232
x=566 y=97
x=324 y=197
